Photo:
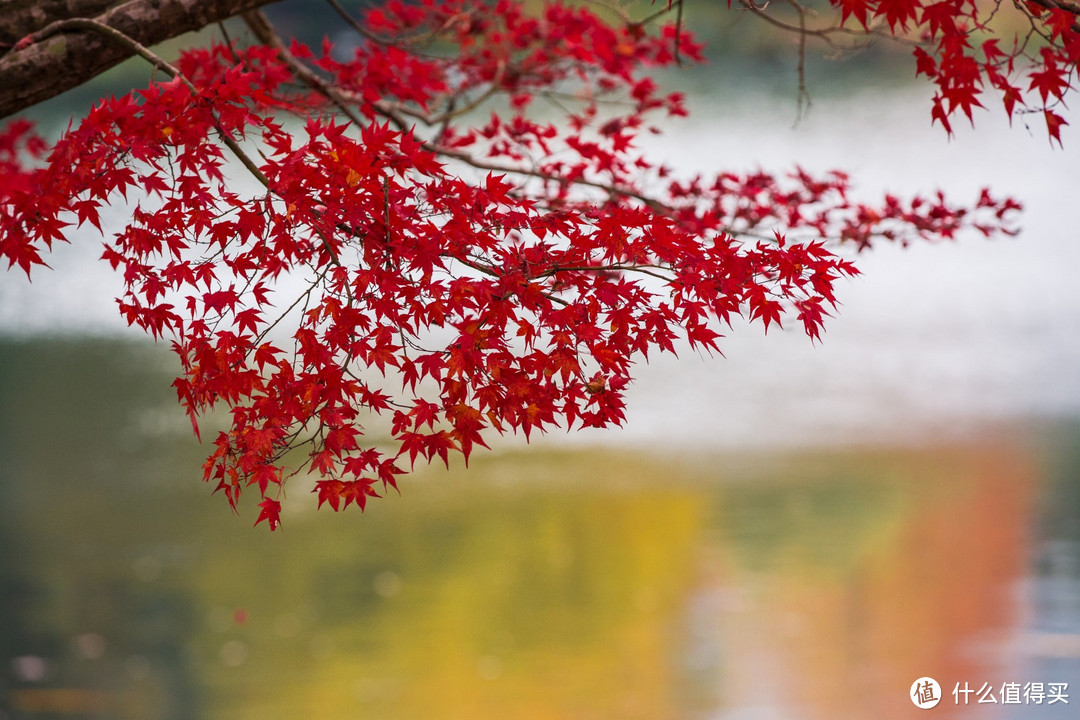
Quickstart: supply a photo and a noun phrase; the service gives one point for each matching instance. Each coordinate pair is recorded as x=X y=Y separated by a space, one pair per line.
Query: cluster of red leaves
x=452 y=276
x=20 y=146
x=967 y=56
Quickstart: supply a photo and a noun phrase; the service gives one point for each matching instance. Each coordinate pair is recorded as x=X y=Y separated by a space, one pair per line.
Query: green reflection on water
x=537 y=584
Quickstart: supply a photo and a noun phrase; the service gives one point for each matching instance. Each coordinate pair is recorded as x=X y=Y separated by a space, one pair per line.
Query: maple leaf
x=924 y=63
x=1053 y=124
x=271 y=511
x=858 y=9
x=266 y=475
x=1050 y=82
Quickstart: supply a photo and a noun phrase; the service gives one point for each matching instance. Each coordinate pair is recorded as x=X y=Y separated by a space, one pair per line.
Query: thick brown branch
x=19 y=18
x=45 y=63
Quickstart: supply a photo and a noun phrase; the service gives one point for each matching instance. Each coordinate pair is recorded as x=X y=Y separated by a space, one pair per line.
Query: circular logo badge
x=925 y=693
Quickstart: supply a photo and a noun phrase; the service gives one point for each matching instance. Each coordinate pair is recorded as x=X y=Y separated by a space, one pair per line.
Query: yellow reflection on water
x=488 y=595
x=593 y=585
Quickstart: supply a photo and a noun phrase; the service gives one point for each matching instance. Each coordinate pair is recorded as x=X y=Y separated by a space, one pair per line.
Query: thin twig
x=263 y=30
x=363 y=31
x=678 y=32
x=228 y=42
x=802 y=101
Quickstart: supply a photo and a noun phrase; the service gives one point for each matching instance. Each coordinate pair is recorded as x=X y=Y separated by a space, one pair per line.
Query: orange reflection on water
x=925 y=586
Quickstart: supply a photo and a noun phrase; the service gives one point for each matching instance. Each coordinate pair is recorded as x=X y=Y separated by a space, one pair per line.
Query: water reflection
x=539 y=584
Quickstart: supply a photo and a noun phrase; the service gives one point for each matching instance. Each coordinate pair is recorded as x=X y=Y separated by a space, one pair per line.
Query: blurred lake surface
x=787 y=532
x=541 y=583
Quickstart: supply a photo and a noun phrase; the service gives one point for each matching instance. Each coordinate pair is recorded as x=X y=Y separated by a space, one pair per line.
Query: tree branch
x=46 y=62
x=1064 y=5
